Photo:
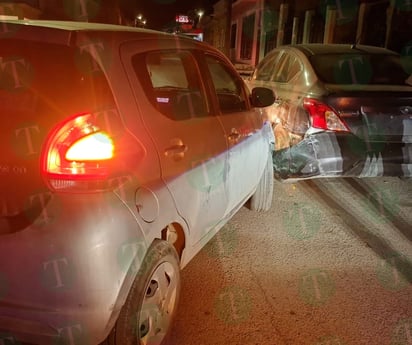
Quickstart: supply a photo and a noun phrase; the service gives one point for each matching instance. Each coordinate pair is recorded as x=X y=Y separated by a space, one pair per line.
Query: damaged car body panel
x=341 y=110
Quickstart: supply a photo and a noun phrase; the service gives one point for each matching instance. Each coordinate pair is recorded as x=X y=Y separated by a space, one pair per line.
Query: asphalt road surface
x=330 y=264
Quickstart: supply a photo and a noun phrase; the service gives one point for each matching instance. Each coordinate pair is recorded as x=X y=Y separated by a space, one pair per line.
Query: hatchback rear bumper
x=330 y=154
x=21 y=330
x=64 y=278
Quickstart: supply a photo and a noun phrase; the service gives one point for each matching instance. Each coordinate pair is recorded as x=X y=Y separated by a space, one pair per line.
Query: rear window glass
x=228 y=87
x=45 y=82
x=173 y=83
x=289 y=66
x=361 y=69
x=265 y=69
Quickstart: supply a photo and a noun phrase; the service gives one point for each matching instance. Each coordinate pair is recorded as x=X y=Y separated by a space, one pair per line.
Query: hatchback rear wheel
x=148 y=313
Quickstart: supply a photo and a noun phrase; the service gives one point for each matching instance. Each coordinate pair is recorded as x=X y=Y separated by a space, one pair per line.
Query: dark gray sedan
x=341 y=110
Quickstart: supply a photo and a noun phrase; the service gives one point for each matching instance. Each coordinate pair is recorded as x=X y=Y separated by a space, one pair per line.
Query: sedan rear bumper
x=331 y=154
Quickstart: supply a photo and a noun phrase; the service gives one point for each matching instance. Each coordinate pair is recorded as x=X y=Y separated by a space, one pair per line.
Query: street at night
x=329 y=264
x=206 y=172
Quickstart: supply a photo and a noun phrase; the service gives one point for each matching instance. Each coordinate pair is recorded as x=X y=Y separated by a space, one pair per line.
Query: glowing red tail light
x=78 y=154
x=322 y=116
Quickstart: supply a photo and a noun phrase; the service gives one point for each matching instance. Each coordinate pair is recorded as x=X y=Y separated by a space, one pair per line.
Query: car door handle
x=177 y=149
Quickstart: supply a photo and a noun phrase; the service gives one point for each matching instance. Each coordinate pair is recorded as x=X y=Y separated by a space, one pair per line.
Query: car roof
x=311 y=49
x=73 y=25
x=63 y=32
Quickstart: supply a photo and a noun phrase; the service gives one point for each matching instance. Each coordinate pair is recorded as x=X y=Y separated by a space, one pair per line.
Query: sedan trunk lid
x=375 y=116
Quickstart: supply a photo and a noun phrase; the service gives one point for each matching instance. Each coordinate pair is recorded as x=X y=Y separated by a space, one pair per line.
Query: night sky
x=160 y=12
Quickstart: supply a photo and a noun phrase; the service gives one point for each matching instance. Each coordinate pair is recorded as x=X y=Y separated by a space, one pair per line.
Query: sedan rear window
x=363 y=69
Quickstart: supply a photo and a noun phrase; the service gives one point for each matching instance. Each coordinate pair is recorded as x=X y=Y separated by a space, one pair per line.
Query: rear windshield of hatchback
x=362 y=69
x=44 y=80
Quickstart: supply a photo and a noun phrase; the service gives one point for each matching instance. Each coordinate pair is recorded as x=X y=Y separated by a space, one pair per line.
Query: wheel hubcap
x=158 y=305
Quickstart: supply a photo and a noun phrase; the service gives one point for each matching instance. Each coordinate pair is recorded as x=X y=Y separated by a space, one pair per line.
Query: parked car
x=123 y=151
x=341 y=110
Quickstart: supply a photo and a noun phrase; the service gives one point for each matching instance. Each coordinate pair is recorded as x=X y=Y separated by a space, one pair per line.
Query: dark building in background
x=246 y=30
x=257 y=26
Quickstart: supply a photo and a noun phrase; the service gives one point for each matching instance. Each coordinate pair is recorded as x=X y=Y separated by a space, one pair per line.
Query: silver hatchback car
x=123 y=151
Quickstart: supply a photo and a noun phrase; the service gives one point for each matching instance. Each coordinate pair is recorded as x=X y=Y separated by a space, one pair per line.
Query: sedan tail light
x=78 y=155
x=323 y=117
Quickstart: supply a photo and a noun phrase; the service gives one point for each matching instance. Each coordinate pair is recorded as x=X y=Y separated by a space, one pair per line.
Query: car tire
x=147 y=315
x=261 y=200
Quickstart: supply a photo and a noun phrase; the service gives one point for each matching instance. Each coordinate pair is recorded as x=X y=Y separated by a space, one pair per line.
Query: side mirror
x=262 y=97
